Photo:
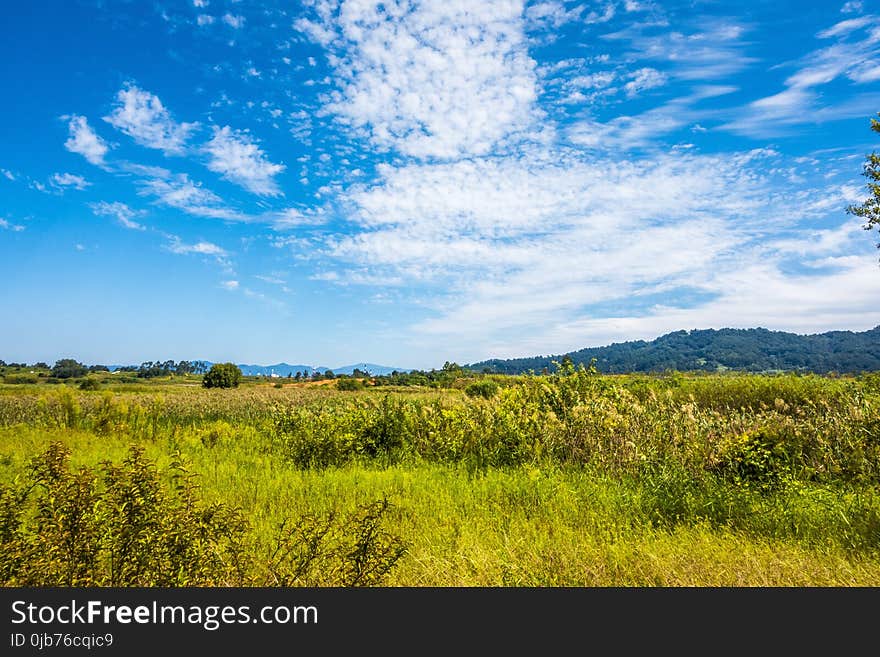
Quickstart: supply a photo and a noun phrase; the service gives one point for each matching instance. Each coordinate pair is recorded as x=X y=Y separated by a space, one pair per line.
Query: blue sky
x=407 y=183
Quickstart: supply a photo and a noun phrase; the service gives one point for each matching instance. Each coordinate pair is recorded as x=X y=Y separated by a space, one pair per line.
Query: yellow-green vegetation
x=570 y=479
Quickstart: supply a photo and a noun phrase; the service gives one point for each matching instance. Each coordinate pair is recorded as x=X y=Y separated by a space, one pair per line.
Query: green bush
x=322 y=550
x=90 y=384
x=222 y=375
x=68 y=368
x=21 y=378
x=485 y=389
x=132 y=525
x=349 y=384
x=116 y=525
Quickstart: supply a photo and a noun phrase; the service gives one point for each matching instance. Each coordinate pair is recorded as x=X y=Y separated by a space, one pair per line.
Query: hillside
x=753 y=350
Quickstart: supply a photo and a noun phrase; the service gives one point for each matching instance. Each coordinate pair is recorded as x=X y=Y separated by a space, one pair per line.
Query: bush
x=90 y=384
x=327 y=550
x=349 y=384
x=115 y=525
x=133 y=525
x=21 y=378
x=222 y=375
x=485 y=389
x=68 y=368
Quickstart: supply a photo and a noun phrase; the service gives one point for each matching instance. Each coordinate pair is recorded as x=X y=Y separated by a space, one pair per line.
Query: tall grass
x=572 y=479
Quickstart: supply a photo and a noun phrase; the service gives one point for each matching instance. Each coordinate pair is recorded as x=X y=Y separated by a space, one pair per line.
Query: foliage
x=115 y=525
x=123 y=525
x=90 y=384
x=321 y=550
x=485 y=389
x=869 y=209
x=753 y=350
x=349 y=384
x=21 y=379
x=222 y=375
x=68 y=368
x=573 y=478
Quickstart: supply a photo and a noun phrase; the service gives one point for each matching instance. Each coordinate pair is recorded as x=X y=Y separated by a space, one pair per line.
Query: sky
x=409 y=183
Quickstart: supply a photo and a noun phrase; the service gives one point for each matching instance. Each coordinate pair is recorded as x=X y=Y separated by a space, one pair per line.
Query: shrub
x=21 y=378
x=123 y=525
x=485 y=389
x=115 y=525
x=90 y=384
x=68 y=368
x=351 y=551
x=349 y=384
x=222 y=375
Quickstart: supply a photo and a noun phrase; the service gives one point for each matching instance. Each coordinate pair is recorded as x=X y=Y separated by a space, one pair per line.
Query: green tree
x=869 y=209
x=68 y=368
x=222 y=375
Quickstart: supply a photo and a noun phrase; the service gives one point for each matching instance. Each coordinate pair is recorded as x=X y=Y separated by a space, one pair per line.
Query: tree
x=222 y=375
x=68 y=368
x=869 y=209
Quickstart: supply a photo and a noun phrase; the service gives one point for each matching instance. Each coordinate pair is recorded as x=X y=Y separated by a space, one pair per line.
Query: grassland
x=573 y=479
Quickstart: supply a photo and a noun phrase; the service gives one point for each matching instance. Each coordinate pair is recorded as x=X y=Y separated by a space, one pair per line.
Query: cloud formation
x=854 y=56
x=184 y=194
x=85 y=141
x=239 y=159
x=142 y=116
x=430 y=80
x=119 y=211
x=65 y=180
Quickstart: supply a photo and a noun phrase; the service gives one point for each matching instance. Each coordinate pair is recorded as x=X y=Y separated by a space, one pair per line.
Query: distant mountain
x=372 y=368
x=285 y=369
x=753 y=350
x=280 y=369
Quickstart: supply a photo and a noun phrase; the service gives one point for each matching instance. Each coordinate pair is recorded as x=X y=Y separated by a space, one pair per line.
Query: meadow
x=568 y=479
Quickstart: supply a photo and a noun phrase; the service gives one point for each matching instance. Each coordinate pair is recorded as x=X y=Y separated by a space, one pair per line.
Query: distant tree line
x=70 y=368
x=752 y=350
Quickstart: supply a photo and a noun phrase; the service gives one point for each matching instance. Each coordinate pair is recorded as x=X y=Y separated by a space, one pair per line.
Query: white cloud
x=430 y=79
x=645 y=129
x=141 y=116
x=7 y=174
x=199 y=248
x=230 y=285
x=515 y=255
x=200 y=3
x=63 y=180
x=189 y=196
x=801 y=101
x=294 y=218
x=233 y=21
x=851 y=7
x=711 y=52
x=644 y=79
x=239 y=159
x=6 y=225
x=845 y=27
x=204 y=19
x=85 y=141
x=120 y=211
x=552 y=14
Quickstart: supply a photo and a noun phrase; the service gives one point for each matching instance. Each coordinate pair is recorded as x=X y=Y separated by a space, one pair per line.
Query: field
x=569 y=479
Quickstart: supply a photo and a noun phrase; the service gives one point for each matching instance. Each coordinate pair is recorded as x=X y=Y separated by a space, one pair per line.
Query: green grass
x=558 y=481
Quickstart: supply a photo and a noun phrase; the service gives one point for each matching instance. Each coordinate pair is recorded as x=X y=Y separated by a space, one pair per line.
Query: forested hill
x=754 y=350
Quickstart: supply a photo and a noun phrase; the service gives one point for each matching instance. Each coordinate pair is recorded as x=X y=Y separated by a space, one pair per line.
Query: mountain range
x=285 y=369
x=753 y=350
